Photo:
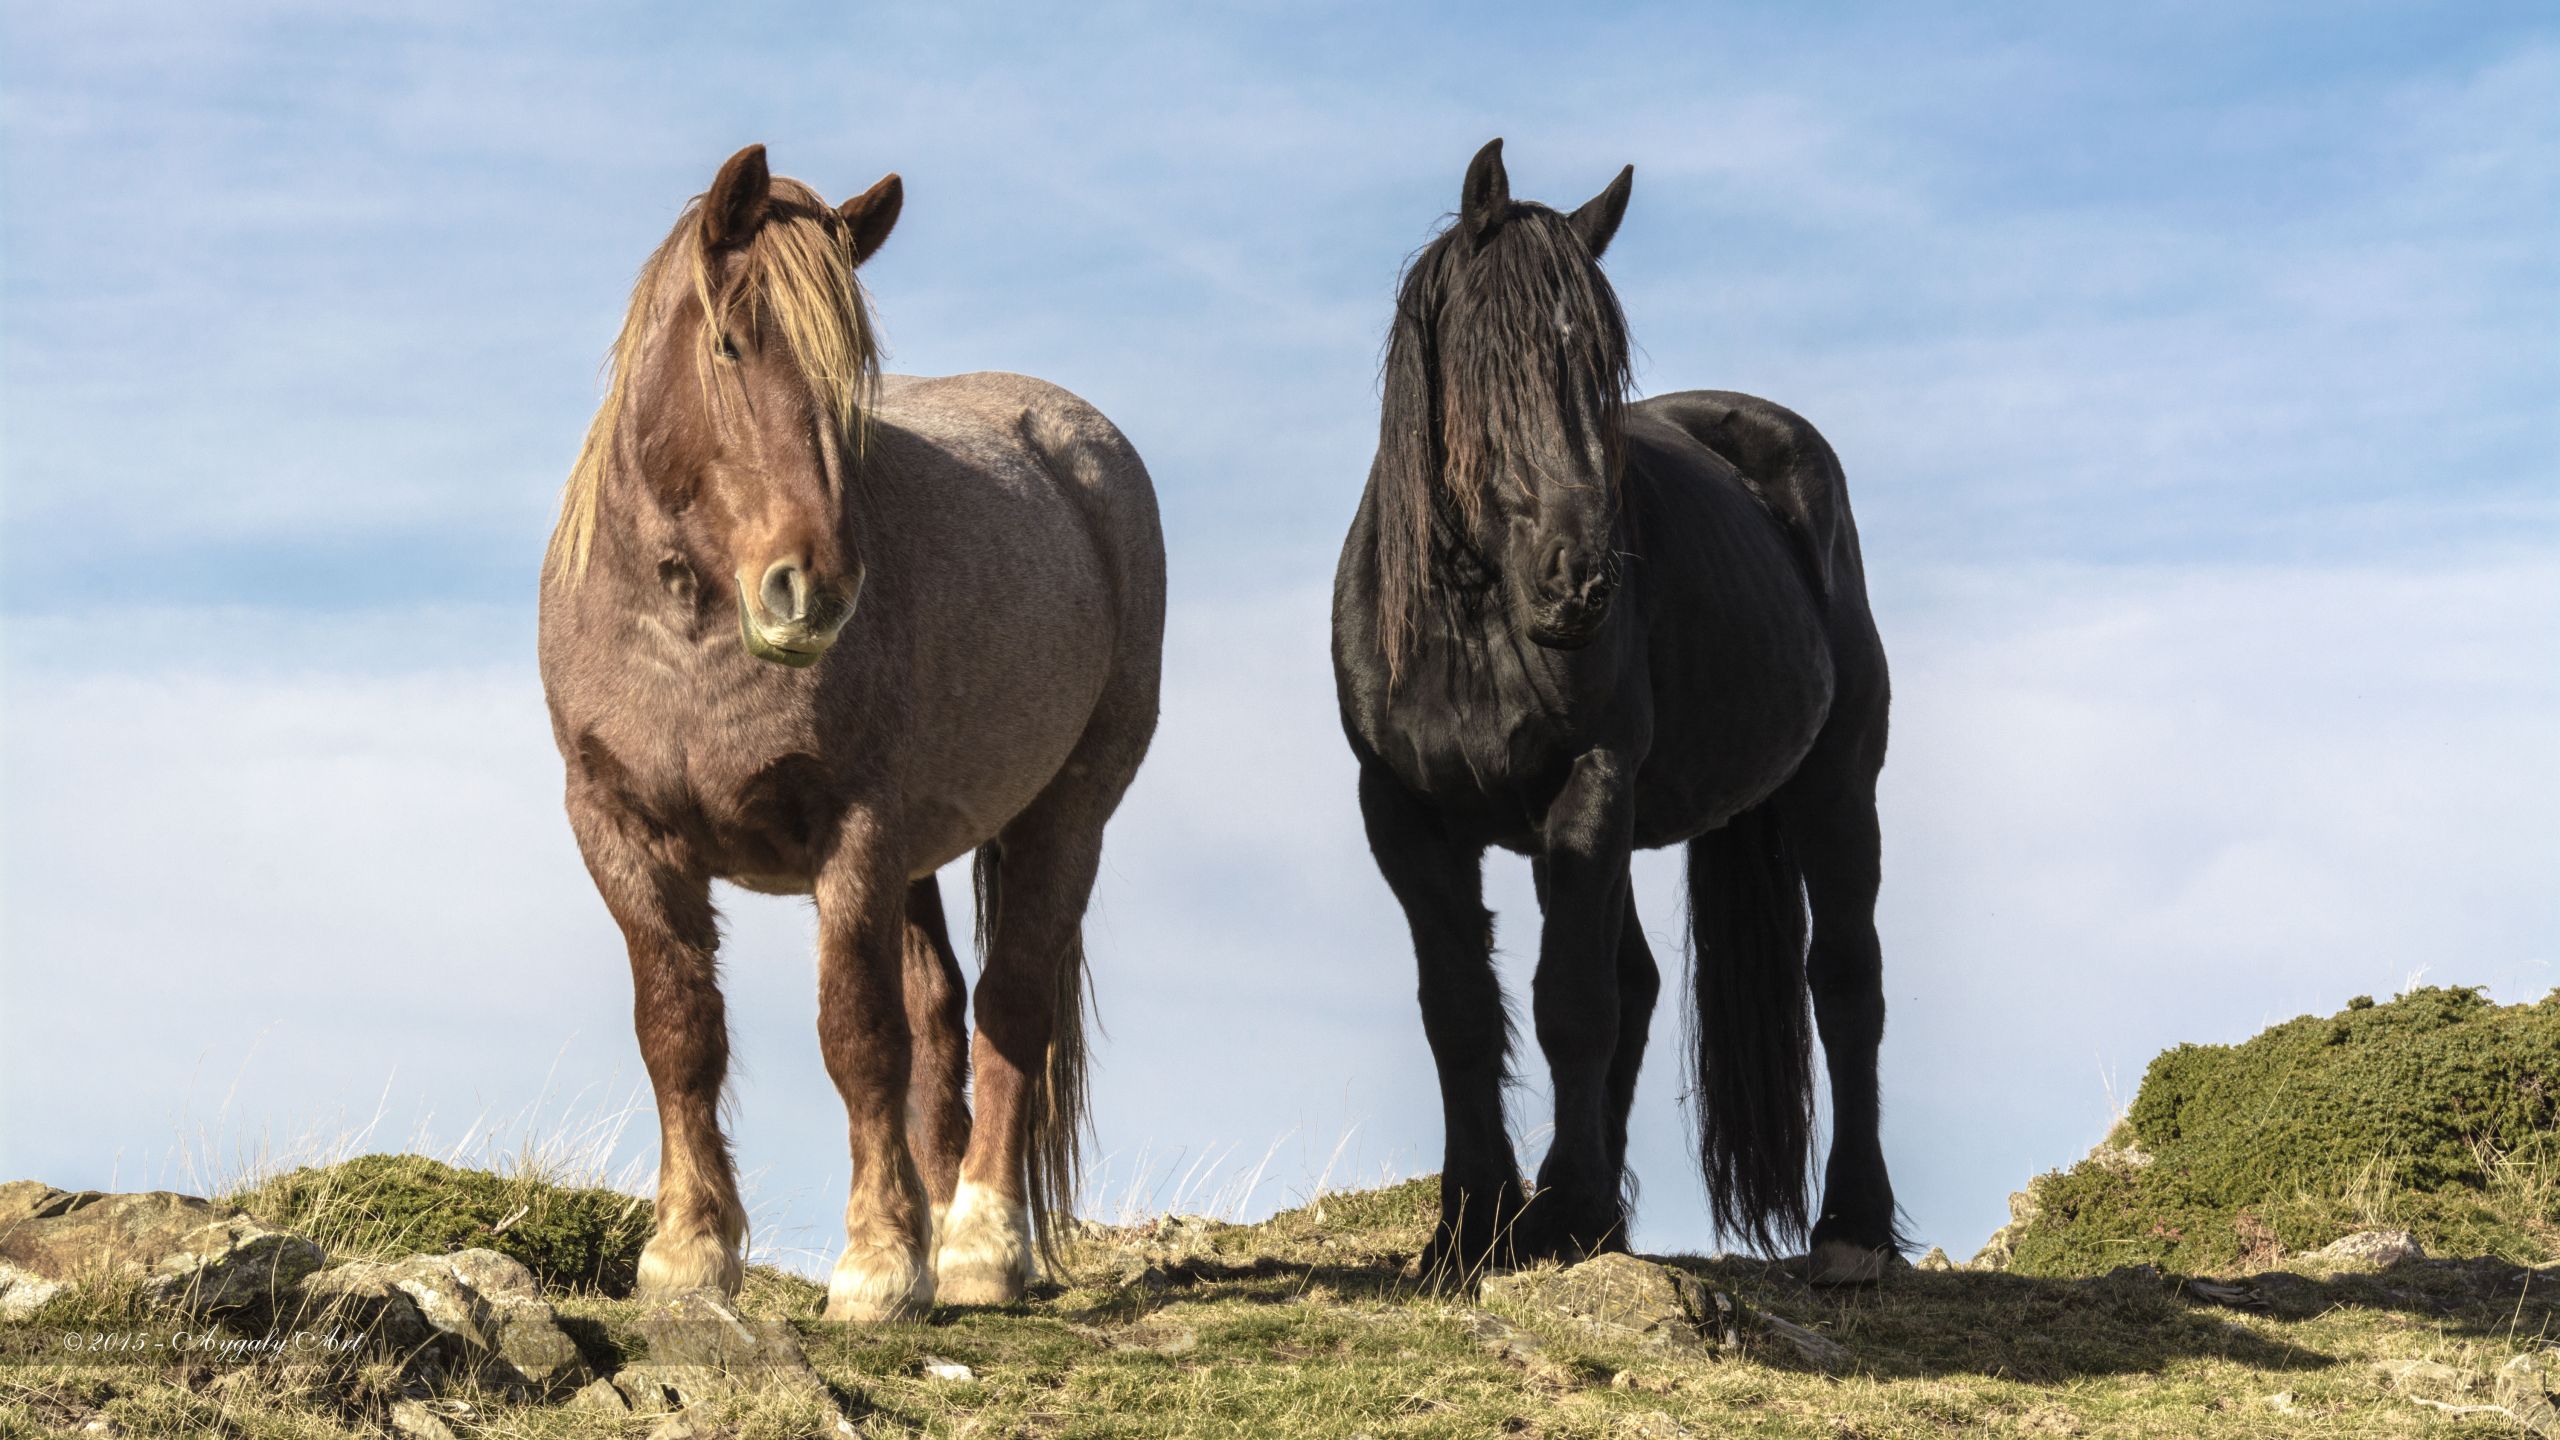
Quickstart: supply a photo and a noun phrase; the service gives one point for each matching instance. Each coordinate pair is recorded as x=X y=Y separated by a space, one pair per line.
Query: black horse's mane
x=1494 y=331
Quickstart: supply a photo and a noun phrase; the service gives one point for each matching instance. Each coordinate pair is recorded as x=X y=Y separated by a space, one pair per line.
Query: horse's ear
x=873 y=214
x=736 y=204
x=1486 y=202
x=1598 y=218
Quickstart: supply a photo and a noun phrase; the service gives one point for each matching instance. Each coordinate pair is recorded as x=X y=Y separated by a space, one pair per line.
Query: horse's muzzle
x=1567 y=627
x=808 y=622
x=1572 y=622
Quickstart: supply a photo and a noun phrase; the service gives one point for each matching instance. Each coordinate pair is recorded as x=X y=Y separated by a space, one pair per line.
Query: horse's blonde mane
x=799 y=271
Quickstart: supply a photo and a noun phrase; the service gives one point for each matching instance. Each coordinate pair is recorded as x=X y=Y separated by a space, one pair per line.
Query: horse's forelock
x=798 y=269
x=1474 y=373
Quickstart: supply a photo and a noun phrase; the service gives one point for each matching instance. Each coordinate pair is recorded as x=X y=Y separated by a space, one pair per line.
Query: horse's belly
x=1001 y=712
x=1724 y=745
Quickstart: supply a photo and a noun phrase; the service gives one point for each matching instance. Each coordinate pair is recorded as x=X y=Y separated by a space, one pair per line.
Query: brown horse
x=816 y=631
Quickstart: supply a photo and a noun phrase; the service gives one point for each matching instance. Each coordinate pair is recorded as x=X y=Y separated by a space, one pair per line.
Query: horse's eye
x=728 y=347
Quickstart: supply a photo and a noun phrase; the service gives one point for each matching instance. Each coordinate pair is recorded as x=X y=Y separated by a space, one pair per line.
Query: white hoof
x=1838 y=1262
x=985 y=1255
x=879 y=1282
x=671 y=1266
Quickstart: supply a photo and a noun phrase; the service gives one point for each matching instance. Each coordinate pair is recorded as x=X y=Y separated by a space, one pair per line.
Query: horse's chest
x=1494 y=745
x=731 y=771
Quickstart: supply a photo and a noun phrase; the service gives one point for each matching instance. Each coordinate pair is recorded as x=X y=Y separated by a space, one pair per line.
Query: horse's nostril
x=785 y=591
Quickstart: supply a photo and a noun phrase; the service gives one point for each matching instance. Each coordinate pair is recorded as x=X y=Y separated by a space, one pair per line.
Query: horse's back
x=1780 y=457
x=992 y=420
x=1022 y=535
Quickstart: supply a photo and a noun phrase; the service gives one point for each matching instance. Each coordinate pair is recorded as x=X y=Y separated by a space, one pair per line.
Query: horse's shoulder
x=1780 y=458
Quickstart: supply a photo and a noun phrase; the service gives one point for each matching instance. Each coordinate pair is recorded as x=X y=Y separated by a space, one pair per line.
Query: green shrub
x=385 y=1206
x=2438 y=1112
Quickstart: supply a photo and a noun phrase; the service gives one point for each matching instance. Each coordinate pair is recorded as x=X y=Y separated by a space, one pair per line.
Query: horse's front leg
x=1440 y=882
x=662 y=901
x=1577 y=1209
x=885 y=1272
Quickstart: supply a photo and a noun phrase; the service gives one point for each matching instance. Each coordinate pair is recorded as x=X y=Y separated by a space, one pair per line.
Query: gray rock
x=1936 y=1259
x=22 y=1292
x=185 y=1251
x=1624 y=1298
x=2526 y=1386
x=1997 y=1251
x=411 y=1420
x=1144 y=1276
x=1613 y=1296
x=937 y=1368
x=2377 y=1249
x=434 y=1311
x=701 y=1349
x=1512 y=1345
x=1820 y=1351
x=601 y=1397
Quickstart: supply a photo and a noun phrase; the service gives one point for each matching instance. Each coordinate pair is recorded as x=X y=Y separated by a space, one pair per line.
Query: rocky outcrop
x=185 y=1252
x=1619 y=1297
x=2117 y=1153
x=473 y=1312
x=1626 y=1299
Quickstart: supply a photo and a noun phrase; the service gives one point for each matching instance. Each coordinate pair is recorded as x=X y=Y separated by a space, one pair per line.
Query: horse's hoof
x=1569 y=1224
x=1445 y=1270
x=1844 y=1262
x=873 y=1284
x=670 y=1267
x=985 y=1248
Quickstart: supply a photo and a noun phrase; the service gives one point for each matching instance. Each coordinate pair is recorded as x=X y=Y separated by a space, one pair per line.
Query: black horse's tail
x=1752 y=1028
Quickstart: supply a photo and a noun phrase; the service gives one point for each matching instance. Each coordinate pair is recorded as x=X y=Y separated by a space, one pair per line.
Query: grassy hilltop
x=2161 y=1288
x=2437 y=1113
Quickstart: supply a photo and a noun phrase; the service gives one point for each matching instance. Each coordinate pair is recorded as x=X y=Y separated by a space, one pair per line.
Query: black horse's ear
x=736 y=204
x=1487 y=201
x=873 y=214
x=1598 y=218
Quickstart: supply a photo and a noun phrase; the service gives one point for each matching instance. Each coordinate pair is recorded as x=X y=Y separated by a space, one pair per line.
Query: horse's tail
x=1752 y=1031
x=1058 y=1117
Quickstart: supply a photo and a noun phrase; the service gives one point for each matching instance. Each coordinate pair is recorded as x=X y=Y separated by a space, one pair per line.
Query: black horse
x=1570 y=625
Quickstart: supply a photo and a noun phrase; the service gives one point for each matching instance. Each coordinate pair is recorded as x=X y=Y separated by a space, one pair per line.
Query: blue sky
x=2197 y=370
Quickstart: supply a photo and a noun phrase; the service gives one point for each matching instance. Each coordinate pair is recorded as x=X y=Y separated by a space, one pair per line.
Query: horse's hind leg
x=1830 y=822
x=938 y=1028
x=673 y=934
x=1036 y=880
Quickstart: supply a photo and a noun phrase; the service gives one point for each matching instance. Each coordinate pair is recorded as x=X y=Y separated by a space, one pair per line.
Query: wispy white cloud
x=361 y=269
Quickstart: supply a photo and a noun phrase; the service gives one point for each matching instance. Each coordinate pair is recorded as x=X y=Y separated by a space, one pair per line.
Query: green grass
x=385 y=1206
